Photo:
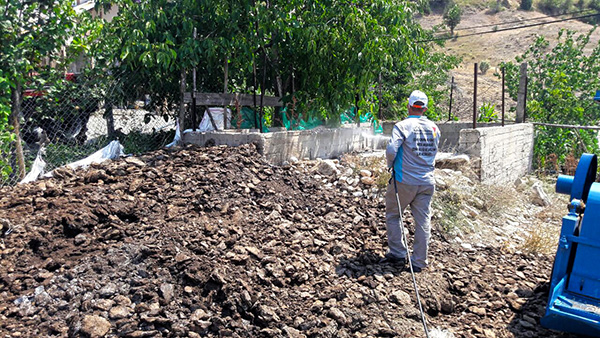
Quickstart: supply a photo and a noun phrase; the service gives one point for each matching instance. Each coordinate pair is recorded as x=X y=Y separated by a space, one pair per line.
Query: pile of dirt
x=217 y=242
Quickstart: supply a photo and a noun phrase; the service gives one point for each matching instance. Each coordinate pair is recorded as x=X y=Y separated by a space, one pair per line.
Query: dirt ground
x=216 y=242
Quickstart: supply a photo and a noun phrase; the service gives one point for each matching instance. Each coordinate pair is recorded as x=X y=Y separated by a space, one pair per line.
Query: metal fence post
x=451 y=91
x=503 y=96
x=475 y=96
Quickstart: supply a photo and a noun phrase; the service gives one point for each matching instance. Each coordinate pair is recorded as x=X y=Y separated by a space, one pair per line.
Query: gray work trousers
x=419 y=199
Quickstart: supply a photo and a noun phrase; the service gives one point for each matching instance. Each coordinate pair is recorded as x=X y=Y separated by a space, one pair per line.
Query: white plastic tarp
x=113 y=150
x=218 y=116
x=177 y=138
x=37 y=168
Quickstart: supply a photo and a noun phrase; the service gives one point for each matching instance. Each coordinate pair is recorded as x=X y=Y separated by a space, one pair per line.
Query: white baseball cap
x=418 y=99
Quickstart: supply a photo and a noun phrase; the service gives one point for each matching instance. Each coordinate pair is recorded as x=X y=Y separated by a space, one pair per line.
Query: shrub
x=484 y=66
x=526 y=4
x=452 y=16
x=487 y=113
x=496 y=6
x=554 y=7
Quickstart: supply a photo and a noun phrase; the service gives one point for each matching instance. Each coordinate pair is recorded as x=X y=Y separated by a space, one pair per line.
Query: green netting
x=249 y=119
x=300 y=123
x=349 y=116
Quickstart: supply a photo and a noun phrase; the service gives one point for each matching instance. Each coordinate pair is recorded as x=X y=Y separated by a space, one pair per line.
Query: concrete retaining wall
x=500 y=154
x=450 y=132
x=280 y=146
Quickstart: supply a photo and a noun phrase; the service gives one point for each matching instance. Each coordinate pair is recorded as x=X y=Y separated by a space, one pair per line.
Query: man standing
x=411 y=153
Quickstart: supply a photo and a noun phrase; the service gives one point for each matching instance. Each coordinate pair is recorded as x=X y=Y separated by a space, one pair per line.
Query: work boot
x=416 y=269
x=389 y=258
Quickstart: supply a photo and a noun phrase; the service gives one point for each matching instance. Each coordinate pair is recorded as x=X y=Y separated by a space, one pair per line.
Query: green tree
x=452 y=16
x=6 y=136
x=562 y=82
x=323 y=54
x=31 y=32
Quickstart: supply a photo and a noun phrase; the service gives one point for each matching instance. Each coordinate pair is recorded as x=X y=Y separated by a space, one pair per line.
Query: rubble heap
x=216 y=242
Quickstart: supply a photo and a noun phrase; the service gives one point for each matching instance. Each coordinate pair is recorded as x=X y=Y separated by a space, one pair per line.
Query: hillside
x=494 y=48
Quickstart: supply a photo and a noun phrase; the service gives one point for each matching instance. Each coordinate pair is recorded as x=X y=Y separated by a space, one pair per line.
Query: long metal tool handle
x=412 y=273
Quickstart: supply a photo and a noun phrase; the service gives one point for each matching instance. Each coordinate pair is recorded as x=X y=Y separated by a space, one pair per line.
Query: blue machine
x=574 y=301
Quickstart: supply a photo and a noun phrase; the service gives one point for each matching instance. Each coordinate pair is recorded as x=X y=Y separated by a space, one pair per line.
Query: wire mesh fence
x=67 y=118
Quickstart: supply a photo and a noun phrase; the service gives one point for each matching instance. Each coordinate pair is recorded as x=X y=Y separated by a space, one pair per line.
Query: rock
x=488 y=333
x=293 y=160
x=440 y=184
x=467 y=247
x=526 y=324
x=517 y=304
x=538 y=195
x=119 y=312
x=317 y=306
x=400 y=297
x=199 y=314
x=95 y=326
x=135 y=161
x=102 y=304
x=255 y=251
x=520 y=183
x=122 y=300
x=367 y=180
x=365 y=173
x=337 y=315
x=477 y=310
x=108 y=290
x=450 y=161
x=167 y=292
x=267 y=314
x=292 y=332
x=471 y=212
x=80 y=239
x=153 y=333
x=327 y=168
x=446 y=305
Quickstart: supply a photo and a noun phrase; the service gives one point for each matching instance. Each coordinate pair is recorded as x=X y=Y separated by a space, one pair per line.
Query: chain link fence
x=67 y=118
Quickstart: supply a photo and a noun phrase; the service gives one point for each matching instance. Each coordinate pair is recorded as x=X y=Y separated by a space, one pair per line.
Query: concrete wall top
x=502 y=154
x=450 y=131
x=281 y=146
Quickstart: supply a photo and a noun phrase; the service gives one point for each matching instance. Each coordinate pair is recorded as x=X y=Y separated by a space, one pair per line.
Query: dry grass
x=543 y=235
x=542 y=238
x=381 y=181
x=496 y=198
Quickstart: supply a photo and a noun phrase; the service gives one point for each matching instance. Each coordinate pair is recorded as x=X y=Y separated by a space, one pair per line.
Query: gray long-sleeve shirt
x=412 y=149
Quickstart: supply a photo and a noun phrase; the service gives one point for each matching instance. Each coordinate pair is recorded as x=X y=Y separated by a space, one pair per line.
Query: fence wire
x=70 y=117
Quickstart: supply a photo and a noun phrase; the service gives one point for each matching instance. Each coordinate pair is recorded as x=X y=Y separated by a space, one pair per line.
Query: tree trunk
x=182 y=103
x=225 y=86
x=110 y=119
x=14 y=121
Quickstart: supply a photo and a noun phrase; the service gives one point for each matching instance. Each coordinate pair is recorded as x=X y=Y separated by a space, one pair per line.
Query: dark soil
x=217 y=242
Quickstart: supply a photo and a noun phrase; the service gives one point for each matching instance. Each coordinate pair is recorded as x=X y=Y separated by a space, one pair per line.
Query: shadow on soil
x=526 y=322
x=367 y=263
